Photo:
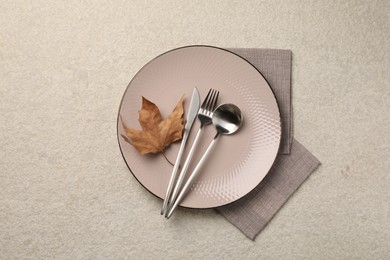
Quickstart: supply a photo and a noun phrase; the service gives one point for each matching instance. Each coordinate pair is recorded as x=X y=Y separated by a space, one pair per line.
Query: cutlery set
x=226 y=118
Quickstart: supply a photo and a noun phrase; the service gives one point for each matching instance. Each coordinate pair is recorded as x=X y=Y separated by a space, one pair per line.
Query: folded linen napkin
x=294 y=162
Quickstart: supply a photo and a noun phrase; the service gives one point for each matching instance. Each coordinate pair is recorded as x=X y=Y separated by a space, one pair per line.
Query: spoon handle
x=183 y=171
x=191 y=179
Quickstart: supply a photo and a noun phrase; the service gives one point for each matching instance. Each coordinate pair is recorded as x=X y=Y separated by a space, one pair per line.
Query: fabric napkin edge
x=258 y=224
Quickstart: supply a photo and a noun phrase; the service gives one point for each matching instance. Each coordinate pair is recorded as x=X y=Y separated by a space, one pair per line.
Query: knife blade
x=192 y=112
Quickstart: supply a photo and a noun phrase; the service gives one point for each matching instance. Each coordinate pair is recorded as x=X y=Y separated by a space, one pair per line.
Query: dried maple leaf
x=156 y=133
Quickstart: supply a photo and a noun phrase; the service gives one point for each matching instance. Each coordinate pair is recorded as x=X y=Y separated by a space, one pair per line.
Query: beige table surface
x=65 y=192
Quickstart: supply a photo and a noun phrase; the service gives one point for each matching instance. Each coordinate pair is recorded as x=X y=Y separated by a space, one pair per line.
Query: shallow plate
x=239 y=162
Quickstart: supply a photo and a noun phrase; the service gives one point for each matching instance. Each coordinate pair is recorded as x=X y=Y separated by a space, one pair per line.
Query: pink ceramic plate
x=239 y=162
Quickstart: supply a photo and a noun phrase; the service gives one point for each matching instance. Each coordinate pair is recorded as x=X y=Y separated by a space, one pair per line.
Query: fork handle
x=184 y=169
x=192 y=177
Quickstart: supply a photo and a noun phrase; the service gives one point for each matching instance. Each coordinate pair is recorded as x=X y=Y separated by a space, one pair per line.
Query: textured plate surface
x=239 y=162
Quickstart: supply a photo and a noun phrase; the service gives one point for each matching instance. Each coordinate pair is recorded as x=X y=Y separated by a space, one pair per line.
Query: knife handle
x=174 y=172
x=184 y=169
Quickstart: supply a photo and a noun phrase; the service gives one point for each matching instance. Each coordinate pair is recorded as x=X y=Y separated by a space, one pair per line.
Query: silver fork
x=204 y=116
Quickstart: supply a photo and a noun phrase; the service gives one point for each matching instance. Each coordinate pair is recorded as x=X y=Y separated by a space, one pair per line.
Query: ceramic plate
x=239 y=162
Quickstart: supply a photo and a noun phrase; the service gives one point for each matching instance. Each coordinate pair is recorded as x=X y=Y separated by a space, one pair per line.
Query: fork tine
x=205 y=101
x=210 y=101
x=215 y=101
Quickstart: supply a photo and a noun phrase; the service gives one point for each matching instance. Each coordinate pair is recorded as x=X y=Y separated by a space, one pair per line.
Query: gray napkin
x=293 y=164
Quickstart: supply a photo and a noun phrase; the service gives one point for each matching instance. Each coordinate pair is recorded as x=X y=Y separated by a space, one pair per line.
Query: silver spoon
x=227 y=119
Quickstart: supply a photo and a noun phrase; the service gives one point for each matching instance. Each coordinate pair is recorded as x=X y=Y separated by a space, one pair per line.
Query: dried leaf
x=156 y=133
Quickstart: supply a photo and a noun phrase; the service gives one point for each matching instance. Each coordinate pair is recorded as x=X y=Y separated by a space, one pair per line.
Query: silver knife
x=192 y=112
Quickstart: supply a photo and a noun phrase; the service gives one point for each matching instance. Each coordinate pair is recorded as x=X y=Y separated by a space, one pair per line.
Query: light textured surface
x=65 y=191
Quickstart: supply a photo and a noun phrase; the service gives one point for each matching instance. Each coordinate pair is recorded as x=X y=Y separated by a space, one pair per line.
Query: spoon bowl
x=227 y=119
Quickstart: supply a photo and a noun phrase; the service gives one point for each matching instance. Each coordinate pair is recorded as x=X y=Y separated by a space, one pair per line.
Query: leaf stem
x=166 y=158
